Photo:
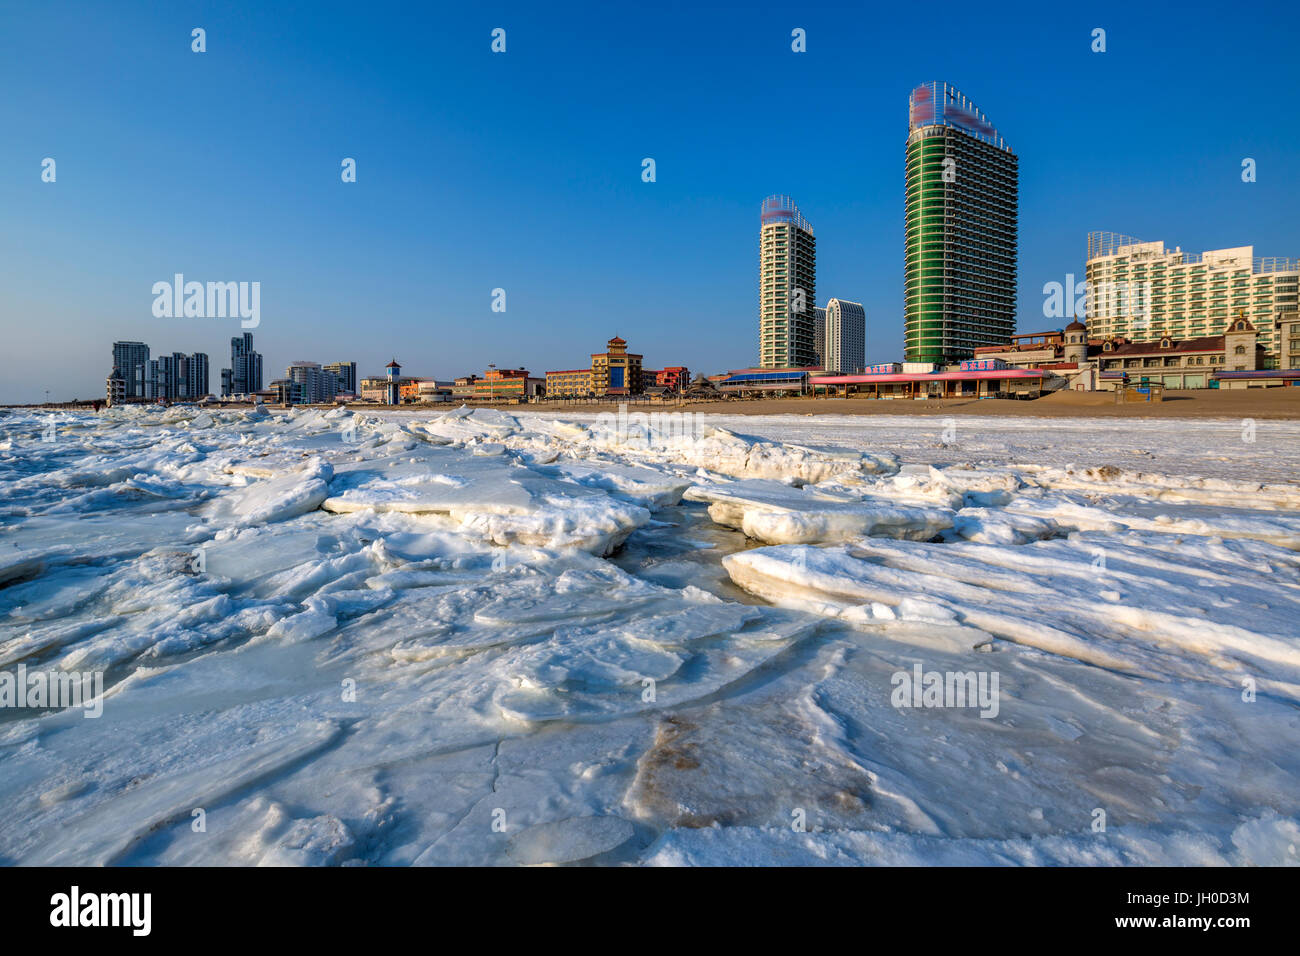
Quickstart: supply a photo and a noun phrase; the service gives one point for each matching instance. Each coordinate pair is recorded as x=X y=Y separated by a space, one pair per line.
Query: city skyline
x=559 y=216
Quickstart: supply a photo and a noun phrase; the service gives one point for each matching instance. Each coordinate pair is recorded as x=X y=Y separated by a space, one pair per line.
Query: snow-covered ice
x=472 y=637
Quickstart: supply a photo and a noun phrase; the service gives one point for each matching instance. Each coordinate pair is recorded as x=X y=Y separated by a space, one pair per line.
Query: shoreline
x=1277 y=404
x=1281 y=404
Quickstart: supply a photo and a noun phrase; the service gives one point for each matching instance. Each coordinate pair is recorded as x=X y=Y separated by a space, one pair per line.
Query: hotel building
x=568 y=383
x=787 y=282
x=962 y=209
x=846 y=336
x=613 y=372
x=1182 y=363
x=1144 y=292
x=1086 y=363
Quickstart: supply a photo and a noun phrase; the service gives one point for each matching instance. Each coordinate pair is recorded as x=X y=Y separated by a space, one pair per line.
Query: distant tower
x=1076 y=342
x=393 y=389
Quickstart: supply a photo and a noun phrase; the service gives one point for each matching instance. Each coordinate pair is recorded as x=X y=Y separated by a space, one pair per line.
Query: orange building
x=502 y=384
x=674 y=377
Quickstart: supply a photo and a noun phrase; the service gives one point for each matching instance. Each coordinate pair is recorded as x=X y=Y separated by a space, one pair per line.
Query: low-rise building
x=1072 y=359
x=462 y=388
x=374 y=389
x=674 y=378
x=615 y=371
x=1182 y=363
x=975 y=382
x=503 y=385
x=284 y=391
x=773 y=380
x=115 y=388
x=1287 y=327
x=569 y=383
x=431 y=390
x=1066 y=354
x=1260 y=378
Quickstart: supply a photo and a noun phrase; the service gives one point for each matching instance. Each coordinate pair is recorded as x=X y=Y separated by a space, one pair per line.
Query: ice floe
x=473 y=637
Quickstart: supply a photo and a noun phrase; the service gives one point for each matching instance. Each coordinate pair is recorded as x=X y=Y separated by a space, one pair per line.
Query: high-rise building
x=181 y=380
x=962 y=208
x=1142 y=291
x=787 y=286
x=306 y=377
x=347 y=375
x=846 y=336
x=819 y=336
x=245 y=367
x=196 y=377
x=131 y=359
x=167 y=384
x=155 y=380
x=313 y=384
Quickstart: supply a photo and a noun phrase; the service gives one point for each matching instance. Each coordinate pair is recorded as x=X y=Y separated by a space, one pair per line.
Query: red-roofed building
x=1088 y=363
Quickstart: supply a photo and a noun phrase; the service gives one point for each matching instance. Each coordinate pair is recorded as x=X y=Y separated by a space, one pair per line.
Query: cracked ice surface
x=473 y=637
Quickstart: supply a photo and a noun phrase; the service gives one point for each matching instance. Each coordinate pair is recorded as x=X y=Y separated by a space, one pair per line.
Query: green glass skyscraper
x=962 y=207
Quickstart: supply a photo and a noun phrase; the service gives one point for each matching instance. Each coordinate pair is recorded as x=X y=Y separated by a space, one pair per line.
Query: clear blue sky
x=523 y=171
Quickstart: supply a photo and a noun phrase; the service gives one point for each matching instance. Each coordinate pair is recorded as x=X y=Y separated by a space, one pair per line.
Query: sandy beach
x=1272 y=403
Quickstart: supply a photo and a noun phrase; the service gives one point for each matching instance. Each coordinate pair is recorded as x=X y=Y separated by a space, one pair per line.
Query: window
x=1239 y=350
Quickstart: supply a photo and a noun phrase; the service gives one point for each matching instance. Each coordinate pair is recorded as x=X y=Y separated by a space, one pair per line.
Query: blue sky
x=523 y=170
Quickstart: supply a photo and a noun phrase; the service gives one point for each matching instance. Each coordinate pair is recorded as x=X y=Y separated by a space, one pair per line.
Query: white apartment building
x=1143 y=292
x=846 y=336
x=787 y=280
